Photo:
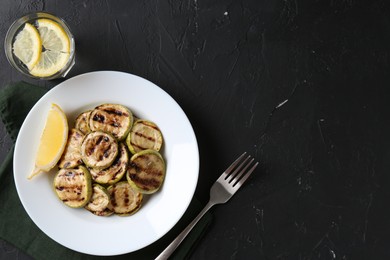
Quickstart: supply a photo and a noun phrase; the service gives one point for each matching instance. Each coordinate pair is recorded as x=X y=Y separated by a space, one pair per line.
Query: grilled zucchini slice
x=144 y=135
x=98 y=204
x=73 y=186
x=82 y=122
x=146 y=171
x=99 y=150
x=111 y=118
x=124 y=199
x=71 y=156
x=116 y=171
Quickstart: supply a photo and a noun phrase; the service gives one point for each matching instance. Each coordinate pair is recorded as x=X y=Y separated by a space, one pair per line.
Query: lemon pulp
x=52 y=142
x=54 y=37
x=56 y=44
x=27 y=46
x=50 y=63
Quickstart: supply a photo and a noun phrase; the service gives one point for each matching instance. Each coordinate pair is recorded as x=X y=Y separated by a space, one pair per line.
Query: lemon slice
x=27 y=46
x=53 y=141
x=50 y=63
x=53 y=35
x=56 y=44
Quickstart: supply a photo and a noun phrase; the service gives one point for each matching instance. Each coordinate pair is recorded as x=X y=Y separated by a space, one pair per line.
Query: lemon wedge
x=56 y=48
x=52 y=142
x=27 y=46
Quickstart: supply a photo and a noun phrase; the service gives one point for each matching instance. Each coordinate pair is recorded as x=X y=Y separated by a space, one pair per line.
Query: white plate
x=78 y=229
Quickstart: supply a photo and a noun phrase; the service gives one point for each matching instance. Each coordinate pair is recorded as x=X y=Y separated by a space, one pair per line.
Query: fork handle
x=177 y=241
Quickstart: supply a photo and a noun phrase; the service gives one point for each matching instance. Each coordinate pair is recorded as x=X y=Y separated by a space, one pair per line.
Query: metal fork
x=221 y=191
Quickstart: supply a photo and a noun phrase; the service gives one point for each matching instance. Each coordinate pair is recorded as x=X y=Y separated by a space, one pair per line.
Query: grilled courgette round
x=146 y=171
x=116 y=171
x=144 y=135
x=71 y=156
x=98 y=204
x=111 y=118
x=99 y=150
x=82 y=122
x=73 y=186
x=124 y=199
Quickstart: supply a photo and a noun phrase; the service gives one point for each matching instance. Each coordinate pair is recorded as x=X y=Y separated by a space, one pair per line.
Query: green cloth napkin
x=16 y=227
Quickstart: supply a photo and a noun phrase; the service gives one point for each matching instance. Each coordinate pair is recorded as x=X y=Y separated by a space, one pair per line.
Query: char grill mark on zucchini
x=140 y=135
x=145 y=176
x=145 y=183
x=82 y=122
x=99 y=201
x=72 y=155
x=142 y=167
x=144 y=135
x=99 y=150
x=146 y=171
x=104 y=213
x=124 y=199
x=111 y=118
x=73 y=186
x=116 y=171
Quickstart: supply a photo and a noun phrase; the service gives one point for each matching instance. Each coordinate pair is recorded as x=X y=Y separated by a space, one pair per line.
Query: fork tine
x=227 y=172
x=236 y=177
x=233 y=175
x=241 y=181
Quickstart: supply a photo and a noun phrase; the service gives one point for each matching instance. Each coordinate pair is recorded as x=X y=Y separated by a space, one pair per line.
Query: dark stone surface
x=301 y=85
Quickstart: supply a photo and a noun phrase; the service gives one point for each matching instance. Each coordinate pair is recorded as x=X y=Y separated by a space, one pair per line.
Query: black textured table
x=301 y=85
